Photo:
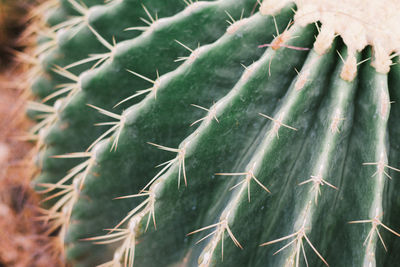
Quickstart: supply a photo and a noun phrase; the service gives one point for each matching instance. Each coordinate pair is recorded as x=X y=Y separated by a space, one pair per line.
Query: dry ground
x=22 y=242
x=22 y=239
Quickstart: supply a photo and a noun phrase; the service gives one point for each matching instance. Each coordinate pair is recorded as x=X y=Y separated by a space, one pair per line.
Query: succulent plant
x=274 y=144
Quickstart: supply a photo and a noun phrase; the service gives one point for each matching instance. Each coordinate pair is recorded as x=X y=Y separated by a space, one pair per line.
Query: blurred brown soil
x=22 y=239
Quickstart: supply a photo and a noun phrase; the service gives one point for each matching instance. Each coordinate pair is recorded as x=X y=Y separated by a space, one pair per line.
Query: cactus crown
x=358 y=27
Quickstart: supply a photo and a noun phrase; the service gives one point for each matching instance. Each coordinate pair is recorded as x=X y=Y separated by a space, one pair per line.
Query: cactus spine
x=277 y=156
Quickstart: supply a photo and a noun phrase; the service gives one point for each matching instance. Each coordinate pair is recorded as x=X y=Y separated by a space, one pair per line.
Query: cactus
x=275 y=140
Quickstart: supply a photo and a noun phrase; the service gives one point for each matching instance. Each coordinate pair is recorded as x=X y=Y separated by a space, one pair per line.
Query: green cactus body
x=277 y=156
x=161 y=45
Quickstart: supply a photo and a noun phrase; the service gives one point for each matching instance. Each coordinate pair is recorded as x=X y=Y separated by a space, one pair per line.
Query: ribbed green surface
x=322 y=146
x=160 y=45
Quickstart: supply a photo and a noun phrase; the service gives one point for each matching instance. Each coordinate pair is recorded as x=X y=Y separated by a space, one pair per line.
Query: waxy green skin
x=133 y=55
x=236 y=140
x=101 y=19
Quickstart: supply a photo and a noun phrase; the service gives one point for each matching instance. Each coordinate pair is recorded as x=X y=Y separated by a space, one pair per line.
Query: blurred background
x=12 y=15
x=23 y=241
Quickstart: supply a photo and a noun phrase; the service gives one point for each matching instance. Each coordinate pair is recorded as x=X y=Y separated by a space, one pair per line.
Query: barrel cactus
x=218 y=133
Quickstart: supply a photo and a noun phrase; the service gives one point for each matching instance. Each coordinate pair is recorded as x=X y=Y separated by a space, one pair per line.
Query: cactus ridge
x=137 y=44
x=143 y=110
x=255 y=151
x=78 y=30
x=140 y=111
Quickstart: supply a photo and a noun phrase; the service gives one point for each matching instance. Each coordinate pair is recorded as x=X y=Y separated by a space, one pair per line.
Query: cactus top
x=358 y=24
